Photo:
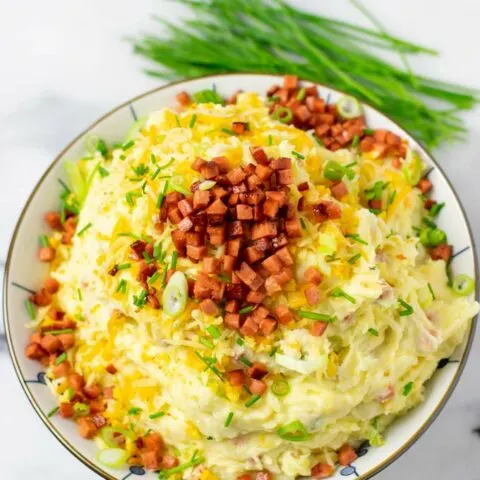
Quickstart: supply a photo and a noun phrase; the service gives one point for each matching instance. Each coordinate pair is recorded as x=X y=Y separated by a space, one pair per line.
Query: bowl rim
x=12 y=353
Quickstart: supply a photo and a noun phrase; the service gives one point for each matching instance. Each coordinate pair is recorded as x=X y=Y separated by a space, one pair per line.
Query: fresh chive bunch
x=270 y=36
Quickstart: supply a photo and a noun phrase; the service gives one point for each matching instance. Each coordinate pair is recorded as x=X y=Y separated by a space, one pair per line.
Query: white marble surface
x=64 y=63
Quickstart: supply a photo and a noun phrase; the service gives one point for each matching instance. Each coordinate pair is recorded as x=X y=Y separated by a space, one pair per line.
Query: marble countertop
x=66 y=63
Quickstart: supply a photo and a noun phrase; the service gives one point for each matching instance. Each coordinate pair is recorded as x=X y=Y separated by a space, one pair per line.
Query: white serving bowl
x=23 y=271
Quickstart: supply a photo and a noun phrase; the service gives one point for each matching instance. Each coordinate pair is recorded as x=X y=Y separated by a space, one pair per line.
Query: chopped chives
x=193 y=120
x=79 y=293
x=229 y=419
x=318 y=140
x=161 y=196
x=43 y=240
x=435 y=209
x=273 y=351
x=214 y=331
x=432 y=292
x=353 y=259
x=173 y=263
x=368 y=131
x=391 y=197
x=356 y=237
x=206 y=342
x=128 y=145
x=157 y=250
x=355 y=141
x=122 y=157
x=407 y=388
x=154 y=278
x=147 y=257
x=229 y=132
x=270 y=140
x=144 y=185
x=302 y=222
x=209 y=364
x=140 y=300
x=103 y=172
x=407 y=309
x=84 y=229
x=245 y=310
x=53 y=411
x=317 y=316
x=338 y=292
x=298 y=155
x=153 y=416
x=301 y=94
x=124 y=266
x=128 y=234
x=373 y=331
x=350 y=165
x=240 y=341
x=60 y=332
x=246 y=361
x=253 y=400
x=32 y=313
x=101 y=147
x=177 y=120
x=164 y=276
x=61 y=358
x=134 y=410
x=122 y=286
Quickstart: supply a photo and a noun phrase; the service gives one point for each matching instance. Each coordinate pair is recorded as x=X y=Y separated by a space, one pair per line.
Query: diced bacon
x=322 y=470
x=235 y=291
x=34 y=351
x=253 y=181
x=185 y=207
x=281 y=163
x=252 y=255
x=185 y=224
x=111 y=369
x=76 y=381
x=174 y=215
x=209 y=307
x=270 y=208
x=92 y=391
x=239 y=127
x=209 y=170
x=183 y=98
x=46 y=254
x=151 y=459
x=211 y=265
x=304 y=186
x=249 y=328
x=261 y=312
x=244 y=212
x=258 y=214
x=236 y=377
x=375 y=204
x=66 y=410
x=67 y=340
x=442 y=252
x=312 y=294
x=302 y=113
x=425 y=185
x=284 y=276
x=180 y=241
x=219 y=192
x=285 y=177
x=327 y=210
x=232 y=320
x=201 y=199
x=217 y=208
x=249 y=276
x=268 y=325
x=279 y=241
x=272 y=286
x=257 y=387
x=284 y=255
x=312 y=275
x=293 y=228
x=255 y=297
x=236 y=229
x=263 y=172
x=198 y=164
x=196 y=253
x=339 y=190
x=283 y=314
x=52 y=219
x=257 y=370
x=172 y=198
x=429 y=203
x=51 y=343
x=272 y=264
x=232 y=306
x=51 y=285
x=367 y=144
x=217 y=235
x=99 y=420
x=255 y=197
x=228 y=264
x=278 y=196
x=258 y=153
x=169 y=461
x=397 y=162
x=290 y=82
x=222 y=163
x=264 y=229
x=346 y=455
x=236 y=176
x=86 y=427
x=318 y=328
x=108 y=392
x=234 y=246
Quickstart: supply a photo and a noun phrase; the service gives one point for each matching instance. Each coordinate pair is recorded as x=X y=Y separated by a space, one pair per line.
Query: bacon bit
x=92 y=391
x=180 y=241
x=375 y=204
x=169 y=461
x=209 y=307
x=263 y=476
x=198 y=164
x=326 y=210
x=283 y=314
x=76 y=381
x=263 y=172
x=312 y=294
x=255 y=297
x=290 y=82
x=232 y=320
x=211 y=265
x=250 y=327
x=108 y=392
x=154 y=441
x=293 y=228
x=86 y=427
x=52 y=219
x=442 y=252
x=236 y=377
x=185 y=207
x=34 y=351
x=245 y=476
x=67 y=340
x=244 y=212
x=318 y=328
x=249 y=276
x=257 y=387
x=183 y=98
x=66 y=410
x=258 y=153
x=138 y=247
x=346 y=455
x=196 y=253
x=312 y=275
x=322 y=470
x=51 y=343
x=111 y=369
x=264 y=229
x=42 y=298
x=397 y=162
x=239 y=127
x=425 y=185
x=46 y=254
x=99 y=420
x=339 y=190
x=151 y=459
x=272 y=286
x=257 y=370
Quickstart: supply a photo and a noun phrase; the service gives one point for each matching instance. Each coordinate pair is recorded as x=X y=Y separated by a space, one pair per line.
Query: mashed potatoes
x=395 y=315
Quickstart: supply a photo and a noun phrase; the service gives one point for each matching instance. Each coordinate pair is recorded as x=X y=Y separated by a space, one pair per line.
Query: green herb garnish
x=252 y=400
x=134 y=411
x=53 y=411
x=153 y=416
x=122 y=286
x=353 y=259
x=246 y=361
x=298 y=155
x=61 y=358
x=32 y=313
x=431 y=291
x=407 y=388
x=229 y=419
x=373 y=331
x=245 y=310
x=356 y=237
x=214 y=331
x=317 y=316
x=193 y=121
x=337 y=292
x=406 y=310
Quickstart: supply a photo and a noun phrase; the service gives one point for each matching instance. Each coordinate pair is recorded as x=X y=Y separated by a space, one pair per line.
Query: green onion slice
x=283 y=114
x=214 y=331
x=110 y=435
x=112 y=457
x=333 y=170
x=229 y=419
x=463 y=285
x=294 y=432
x=280 y=388
x=349 y=107
x=175 y=295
